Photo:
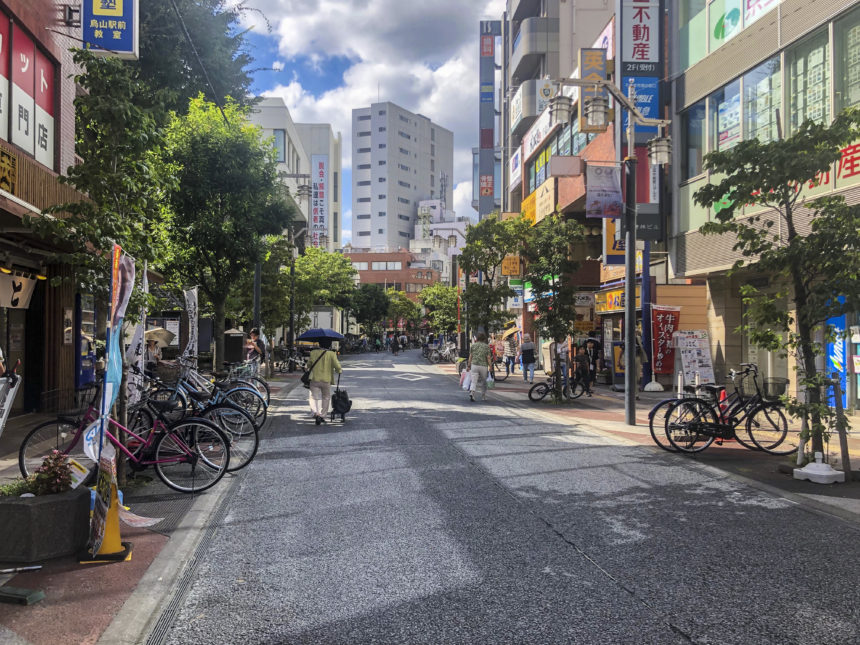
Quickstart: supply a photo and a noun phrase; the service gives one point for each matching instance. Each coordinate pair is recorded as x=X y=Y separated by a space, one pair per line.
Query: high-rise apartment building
x=398 y=159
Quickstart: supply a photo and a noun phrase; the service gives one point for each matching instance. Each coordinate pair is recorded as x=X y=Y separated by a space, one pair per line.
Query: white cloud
x=278 y=65
x=463 y=200
x=346 y=227
x=421 y=56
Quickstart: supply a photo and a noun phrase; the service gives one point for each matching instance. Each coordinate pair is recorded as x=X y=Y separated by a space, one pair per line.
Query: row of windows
x=364 y=134
x=404 y=184
x=748 y=107
x=359 y=266
x=403 y=167
x=361 y=150
x=567 y=141
x=404 y=135
x=364 y=183
x=415 y=288
x=364 y=166
x=385 y=266
x=405 y=218
x=403 y=200
x=363 y=216
x=364 y=117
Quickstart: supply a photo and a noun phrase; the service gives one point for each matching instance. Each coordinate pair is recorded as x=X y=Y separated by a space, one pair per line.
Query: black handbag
x=306 y=377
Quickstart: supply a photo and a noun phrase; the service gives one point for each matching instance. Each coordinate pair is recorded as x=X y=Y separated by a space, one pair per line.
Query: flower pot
x=33 y=529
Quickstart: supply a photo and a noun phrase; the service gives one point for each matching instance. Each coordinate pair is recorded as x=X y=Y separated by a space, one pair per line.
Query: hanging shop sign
x=603 y=191
x=640 y=40
x=16 y=289
x=664 y=323
x=511 y=265
x=536 y=135
x=546 y=200
x=515 y=174
x=110 y=27
x=607 y=302
x=528 y=207
x=8 y=171
x=592 y=67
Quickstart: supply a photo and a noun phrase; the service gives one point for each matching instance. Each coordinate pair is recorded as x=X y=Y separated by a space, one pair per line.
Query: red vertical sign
x=664 y=323
x=44 y=91
x=23 y=75
x=4 y=76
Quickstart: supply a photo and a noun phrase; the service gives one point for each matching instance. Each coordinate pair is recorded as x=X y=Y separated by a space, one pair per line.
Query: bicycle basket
x=774 y=387
x=745 y=386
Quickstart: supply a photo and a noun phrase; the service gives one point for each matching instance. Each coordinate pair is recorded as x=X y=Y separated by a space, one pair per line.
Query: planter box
x=603 y=379
x=33 y=529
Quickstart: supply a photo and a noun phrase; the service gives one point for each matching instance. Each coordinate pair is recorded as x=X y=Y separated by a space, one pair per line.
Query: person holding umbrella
x=323 y=365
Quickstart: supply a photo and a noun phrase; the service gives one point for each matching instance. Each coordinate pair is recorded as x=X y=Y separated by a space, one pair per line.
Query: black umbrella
x=318 y=333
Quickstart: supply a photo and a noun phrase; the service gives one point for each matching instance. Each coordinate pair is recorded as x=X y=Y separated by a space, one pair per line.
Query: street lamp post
x=659 y=152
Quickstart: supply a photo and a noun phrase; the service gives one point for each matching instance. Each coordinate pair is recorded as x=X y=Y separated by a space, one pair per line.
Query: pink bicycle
x=190 y=455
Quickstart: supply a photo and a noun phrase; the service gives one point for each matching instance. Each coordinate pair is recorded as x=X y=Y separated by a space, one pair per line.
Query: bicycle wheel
x=681 y=422
x=262 y=387
x=461 y=367
x=435 y=356
x=250 y=401
x=657 y=424
x=771 y=431
x=192 y=455
x=574 y=389
x=239 y=428
x=140 y=421
x=538 y=391
x=49 y=436
x=500 y=371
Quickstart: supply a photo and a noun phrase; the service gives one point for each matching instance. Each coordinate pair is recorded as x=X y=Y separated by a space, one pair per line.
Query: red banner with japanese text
x=664 y=323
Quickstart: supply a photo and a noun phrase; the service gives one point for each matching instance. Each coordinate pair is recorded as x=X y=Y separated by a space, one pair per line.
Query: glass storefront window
x=847 y=59
x=693 y=27
x=564 y=141
x=807 y=67
x=693 y=134
x=762 y=98
x=725 y=21
x=726 y=117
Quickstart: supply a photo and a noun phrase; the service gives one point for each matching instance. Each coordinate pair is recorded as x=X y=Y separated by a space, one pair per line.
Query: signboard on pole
x=592 y=67
x=694 y=350
x=664 y=323
x=110 y=27
x=641 y=58
x=603 y=191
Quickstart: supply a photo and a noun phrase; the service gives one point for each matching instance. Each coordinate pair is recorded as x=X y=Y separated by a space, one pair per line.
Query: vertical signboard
x=664 y=323
x=110 y=27
x=641 y=62
x=592 y=67
x=319 y=198
x=5 y=44
x=23 y=101
x=486 y=158
x=44 y=90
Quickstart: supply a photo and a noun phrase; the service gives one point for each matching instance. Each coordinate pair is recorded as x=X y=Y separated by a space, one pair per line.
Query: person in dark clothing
x=257 y=348
x=582 y=369
x=593 y=354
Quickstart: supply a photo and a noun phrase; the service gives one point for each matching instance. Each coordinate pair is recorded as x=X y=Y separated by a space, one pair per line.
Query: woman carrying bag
x=323 y=364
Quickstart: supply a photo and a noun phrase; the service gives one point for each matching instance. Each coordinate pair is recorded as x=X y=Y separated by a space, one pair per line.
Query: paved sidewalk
x=82 y=601
x=605 y=412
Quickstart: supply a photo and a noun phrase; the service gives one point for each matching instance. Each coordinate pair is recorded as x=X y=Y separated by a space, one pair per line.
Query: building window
x=364 y=183
x=378 y=266
x=380 y=196
x=362 y=200
x=403 y=167
x=404 y=184
x=726 y=117
x=364 y=166
x=432 y=149
x=402 y=234
x=762 y=94
x=403 y=118
x=381 y=113
x=381 y=146
x=432 y=134
x=363 y=216
x=808 y=81
x=404 y=151
x=382 y=163
x=403 y=200
x=359 y=266
x=432 y=180
x=380 y=231
x=362 y=150
x=404 y=135
x=363 y=233
x=381 y=213
x=405 y=218
x=394 y=266
x=693 y=135
x=381 y=179
x=364 y=134
x=847 y=72
x=280 y=143
x=364 y=117
x=693 y=23
x=382 y=128
x=432 y=165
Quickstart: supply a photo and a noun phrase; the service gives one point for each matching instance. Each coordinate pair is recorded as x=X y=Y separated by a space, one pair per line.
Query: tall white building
x=398 y=159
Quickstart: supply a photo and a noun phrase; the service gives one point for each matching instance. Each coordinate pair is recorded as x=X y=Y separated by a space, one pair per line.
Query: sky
x=326 y=57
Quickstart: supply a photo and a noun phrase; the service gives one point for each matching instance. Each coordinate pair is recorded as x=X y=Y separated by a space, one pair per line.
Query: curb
x=852 y=518
x=142 y=611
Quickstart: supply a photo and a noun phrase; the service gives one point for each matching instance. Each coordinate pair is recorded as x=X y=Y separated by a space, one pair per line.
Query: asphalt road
x=430 y=519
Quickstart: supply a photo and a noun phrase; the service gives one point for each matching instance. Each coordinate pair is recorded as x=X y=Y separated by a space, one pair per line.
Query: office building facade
x=398 y=159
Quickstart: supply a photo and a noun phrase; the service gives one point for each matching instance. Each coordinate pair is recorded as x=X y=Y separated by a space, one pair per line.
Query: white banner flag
x=191 y=308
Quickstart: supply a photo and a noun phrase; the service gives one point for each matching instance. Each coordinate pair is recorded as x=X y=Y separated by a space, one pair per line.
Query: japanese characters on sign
x=23 y=83
x=694 y=348
x=640 y=36
x=664 y=323
x=110 y=27
x=44 y=131
x=16 y=289
x=592 y=67
x=515 y=174
x=546 y=200
x=486 y=185
x=603 y=191
x=488 y=45
x=606 y=302
x=319 y=198
x=755 y=9
x=4 y=76
x=511 y=265
x=8 y=171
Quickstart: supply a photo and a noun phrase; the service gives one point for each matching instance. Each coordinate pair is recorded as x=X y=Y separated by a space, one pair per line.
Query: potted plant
x=51 y=521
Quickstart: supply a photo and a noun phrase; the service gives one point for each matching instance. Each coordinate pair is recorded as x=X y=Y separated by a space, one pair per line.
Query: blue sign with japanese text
x=647 y=90
x=110 y=27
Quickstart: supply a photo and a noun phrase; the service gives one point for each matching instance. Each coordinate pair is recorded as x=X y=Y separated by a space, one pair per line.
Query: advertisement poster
x=603 y=191
x=664 y=323
x=319 y=198
x=110 y=27
x=136 y=351
x=729 y=122
x=694 y=348
x=837 y=359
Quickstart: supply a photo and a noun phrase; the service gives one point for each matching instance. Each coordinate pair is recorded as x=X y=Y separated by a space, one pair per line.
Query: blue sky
x=330 y=56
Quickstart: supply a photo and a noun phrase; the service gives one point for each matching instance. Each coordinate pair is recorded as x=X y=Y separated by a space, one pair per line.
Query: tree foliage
x=549 y=268
x=370 y=307
x=322 y=279
x=226 y=201
x=810 y=265
x=487 y=244
x=401 y=308
x=440 y=301
x=275 y=286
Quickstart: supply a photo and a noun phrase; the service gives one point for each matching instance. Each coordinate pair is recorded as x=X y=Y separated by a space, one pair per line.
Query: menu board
x=693 y=349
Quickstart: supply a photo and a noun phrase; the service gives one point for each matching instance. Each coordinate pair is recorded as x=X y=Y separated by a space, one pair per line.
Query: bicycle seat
x=165 y=406
x=713 y=389
x=199 y=396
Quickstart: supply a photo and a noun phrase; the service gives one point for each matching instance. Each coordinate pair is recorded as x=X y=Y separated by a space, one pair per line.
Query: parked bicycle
x=574 y=389
x=692 y=423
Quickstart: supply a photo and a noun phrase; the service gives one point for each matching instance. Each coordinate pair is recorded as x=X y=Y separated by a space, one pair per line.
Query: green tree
x=550 y=269
x=275 y=287
x=168 y=61
x=440 y=301
x=226 y=202
x=812 y=260
x=322 y=279
x=402 y=308
x=370 y=307
x=487 y=244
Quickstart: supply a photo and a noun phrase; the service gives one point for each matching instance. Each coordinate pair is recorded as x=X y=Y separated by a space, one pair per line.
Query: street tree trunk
x=218 y=325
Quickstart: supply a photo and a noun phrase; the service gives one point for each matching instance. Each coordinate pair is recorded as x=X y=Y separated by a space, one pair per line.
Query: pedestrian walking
x=582 y=369
x=559 y=347
x=395 y=345
x=377 y=344
x=527 y=353
x=593 y=354
x=479 y=364
x=323 y=364
x=510 y=353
